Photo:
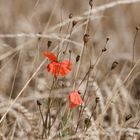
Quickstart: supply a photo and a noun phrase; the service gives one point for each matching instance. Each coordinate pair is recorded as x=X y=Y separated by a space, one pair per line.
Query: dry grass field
x=69 y=70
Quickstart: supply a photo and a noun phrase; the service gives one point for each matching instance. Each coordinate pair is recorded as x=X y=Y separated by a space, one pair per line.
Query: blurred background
x=26 y=26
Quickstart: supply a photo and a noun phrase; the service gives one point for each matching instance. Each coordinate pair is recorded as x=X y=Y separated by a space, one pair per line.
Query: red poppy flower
x=65 y=67
x=75 y=99
x=50 y=55
x=57 y=68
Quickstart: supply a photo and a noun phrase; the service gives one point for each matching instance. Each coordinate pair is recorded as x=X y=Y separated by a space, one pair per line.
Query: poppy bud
x=128 y=117
x=38 y=103
x=49 y=43
x=77 y=58
x=69 y=51
x=97 y=100
x=114 y=65
x=86 y=38
x=137 y=28
x=63 y=85
x=91 y=3
x=107 y=39
x=74 y=22
x=70 y=15
x=79 y=92
x=104 y=50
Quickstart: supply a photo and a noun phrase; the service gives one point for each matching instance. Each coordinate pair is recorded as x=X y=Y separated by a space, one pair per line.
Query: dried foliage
x=96 y=96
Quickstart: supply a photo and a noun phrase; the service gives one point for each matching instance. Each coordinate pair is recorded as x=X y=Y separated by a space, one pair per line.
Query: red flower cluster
x=57 y=68
x=75 y=99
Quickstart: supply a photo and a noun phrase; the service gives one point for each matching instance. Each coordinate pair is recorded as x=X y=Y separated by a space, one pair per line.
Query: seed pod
x=74 y=22
x=38 y=103
x=91 y=3
x=49 y=43
x=79 y=92
x=77 y=58
x=107 y=39
x=97 y=100
x=128 y=117
x=70 y=51
x=104 y=50
x=137 y=28
x=86 y=38
x=114 y=65
x=70 y=15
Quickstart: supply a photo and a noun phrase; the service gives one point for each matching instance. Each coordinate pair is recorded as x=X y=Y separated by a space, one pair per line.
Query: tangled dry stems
x=115 y=100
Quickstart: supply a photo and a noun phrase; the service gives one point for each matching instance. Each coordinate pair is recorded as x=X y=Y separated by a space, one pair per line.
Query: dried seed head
x=91 y=3
x=77 y=58
x=70 y=51
x=79 y=92
x=87 y=122
x=74 y=22
x=137 y=28
x=38 y=103
x=49 y=43
x=97 y=100
x=107 y=118
x=63 y=85
x=128 y=117
x=70 y=15
x=107 y=39
x=86 y=38
x=114 y=65
x=104 y=49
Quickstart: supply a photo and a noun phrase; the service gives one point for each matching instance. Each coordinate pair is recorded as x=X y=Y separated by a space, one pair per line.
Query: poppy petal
x=54 y=68
x=50 y=55
x=75 y=99
x=67 y=64
x=58 y=68
x=65 y=67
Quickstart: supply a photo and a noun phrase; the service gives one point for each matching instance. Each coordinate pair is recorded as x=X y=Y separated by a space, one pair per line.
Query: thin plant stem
x=133 y=51
x=116 y=93
x=82 y=108
x=10 y=59
x=21 y=91
x=15 y=74
x=135 y=127
x=91 y=115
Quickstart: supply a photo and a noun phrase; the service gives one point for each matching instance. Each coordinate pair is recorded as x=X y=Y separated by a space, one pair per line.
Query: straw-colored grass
x=35 y=105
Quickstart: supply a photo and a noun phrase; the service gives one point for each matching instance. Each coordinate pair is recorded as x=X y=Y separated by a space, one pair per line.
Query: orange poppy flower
x=50 y=55
x=57 y=68
x=75 y=99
